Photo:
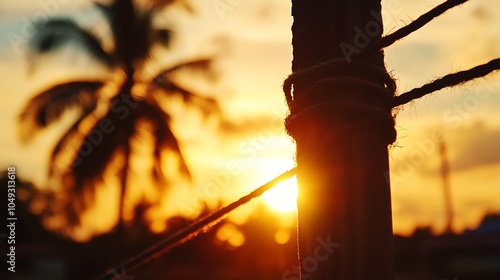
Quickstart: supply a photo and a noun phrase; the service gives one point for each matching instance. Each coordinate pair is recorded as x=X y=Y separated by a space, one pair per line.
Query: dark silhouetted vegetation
x=100 y=141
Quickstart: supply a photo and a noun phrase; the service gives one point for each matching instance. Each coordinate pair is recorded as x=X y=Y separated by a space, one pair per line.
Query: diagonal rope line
x=447 y=81
x=410 y=28
x=190 y=231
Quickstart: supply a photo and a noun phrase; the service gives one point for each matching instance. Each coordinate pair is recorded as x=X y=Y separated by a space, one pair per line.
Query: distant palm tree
x=99 y=138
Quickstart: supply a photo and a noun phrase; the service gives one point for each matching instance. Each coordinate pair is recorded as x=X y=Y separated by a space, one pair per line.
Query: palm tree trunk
x=445 y=177
x=344 y=205
x=123 y=188
x=125 y=172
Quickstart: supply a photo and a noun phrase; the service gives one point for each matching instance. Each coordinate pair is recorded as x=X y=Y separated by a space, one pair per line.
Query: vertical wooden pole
x=445 y=172
x=344 y=204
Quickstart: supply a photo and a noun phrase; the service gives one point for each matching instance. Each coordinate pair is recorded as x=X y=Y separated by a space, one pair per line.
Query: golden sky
x=252 y=47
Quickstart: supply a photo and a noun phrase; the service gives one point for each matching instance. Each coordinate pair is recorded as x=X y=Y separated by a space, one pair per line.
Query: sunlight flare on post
x=283 y=197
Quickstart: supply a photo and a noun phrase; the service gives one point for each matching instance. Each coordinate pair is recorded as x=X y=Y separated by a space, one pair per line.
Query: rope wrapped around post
x=339 y=88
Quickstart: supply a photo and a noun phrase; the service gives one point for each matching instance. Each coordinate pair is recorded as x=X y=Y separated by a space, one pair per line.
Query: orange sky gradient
x=251 y=44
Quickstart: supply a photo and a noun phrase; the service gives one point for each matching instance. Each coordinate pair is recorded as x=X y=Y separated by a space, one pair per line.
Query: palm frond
x=165 y=139
x=159 y=4
x=201 y=65
x=69 y=139
x=163 y=3
x=98 y=146
x=165 y=83
x=161 y=37
x=75 y=199
x=94 y=155
x=55 y=33
x=49 y=105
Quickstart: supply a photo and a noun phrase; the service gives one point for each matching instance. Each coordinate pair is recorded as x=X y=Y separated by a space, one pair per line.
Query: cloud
x=475 y=146
x=472 y=146
x=262 y=124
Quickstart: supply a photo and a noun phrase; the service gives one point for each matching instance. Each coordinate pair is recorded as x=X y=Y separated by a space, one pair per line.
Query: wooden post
x=344 y=204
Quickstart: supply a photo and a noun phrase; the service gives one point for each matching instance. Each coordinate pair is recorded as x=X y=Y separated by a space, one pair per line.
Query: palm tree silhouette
x=99 y=136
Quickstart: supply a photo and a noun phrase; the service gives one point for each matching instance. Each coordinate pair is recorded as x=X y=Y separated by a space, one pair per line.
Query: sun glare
x=283 y=197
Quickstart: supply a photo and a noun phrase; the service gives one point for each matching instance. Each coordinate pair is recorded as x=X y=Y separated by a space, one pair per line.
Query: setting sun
x=283 y=197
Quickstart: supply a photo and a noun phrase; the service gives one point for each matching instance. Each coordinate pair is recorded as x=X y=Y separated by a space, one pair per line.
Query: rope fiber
x=345 y=90
x=447 y=81
x=410 y=28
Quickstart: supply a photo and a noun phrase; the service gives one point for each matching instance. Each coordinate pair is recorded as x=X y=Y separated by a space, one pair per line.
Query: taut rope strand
x=190 y=231
x=410 y=28
x=447 y=81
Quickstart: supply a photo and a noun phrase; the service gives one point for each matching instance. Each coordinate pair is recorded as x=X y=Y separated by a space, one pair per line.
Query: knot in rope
x=350 y=92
